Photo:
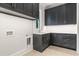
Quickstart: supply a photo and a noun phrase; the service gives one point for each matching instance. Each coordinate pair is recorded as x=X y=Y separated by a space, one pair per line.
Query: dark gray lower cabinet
x=64 y=40
x=41 y=41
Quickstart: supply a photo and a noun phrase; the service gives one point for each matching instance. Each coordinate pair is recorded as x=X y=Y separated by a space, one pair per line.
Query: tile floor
x=53 y=51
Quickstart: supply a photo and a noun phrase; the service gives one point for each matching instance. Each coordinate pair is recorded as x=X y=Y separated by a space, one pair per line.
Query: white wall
x=78 y=27
x=42 y=16
x=61 y=29
x=35 y=30
x=13 y=43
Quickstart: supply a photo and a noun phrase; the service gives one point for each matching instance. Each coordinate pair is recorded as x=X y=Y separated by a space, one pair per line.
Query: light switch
x=9 y=33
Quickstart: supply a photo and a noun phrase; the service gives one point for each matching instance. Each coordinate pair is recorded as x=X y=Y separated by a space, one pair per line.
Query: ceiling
x=50 y=5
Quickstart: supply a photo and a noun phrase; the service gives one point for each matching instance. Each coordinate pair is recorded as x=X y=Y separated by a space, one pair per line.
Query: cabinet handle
x=11 y=4
x=67 y=39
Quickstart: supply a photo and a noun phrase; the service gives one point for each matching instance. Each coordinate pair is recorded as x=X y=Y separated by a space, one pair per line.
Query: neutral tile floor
x=53 y=51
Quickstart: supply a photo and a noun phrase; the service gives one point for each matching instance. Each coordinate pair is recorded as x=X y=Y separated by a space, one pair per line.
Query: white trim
x=77 y=28
x=22 y=52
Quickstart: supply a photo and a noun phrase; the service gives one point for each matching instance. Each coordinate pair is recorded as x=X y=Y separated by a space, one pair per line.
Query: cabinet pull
x=67 y=39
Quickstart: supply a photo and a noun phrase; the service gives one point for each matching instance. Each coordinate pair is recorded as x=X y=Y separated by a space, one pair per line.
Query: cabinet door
x=45 y=40
x=60 y=15
x=6 y=5
x=18 y=7
x=28 y=9
x=50 y=17
x=52 y=38
x=74 y=13
x=70 y=16
x=36 y=10
x=58 y=39
x=47 y=18
x=37 y=42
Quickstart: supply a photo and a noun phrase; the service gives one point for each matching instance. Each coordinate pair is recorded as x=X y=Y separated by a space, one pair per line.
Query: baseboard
x=64 y=47
x=22 y=52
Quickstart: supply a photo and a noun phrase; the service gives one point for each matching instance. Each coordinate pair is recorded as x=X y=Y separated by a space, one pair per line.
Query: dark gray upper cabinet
x=50 y=18
x=30 y=9
x=36 y=10
x=70 y=14
x=18 y=6
x=60 y=15
x=7 y=5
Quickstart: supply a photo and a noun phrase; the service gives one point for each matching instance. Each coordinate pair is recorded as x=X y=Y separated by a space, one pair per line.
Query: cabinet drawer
x=69 y=36
x=69 y=41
